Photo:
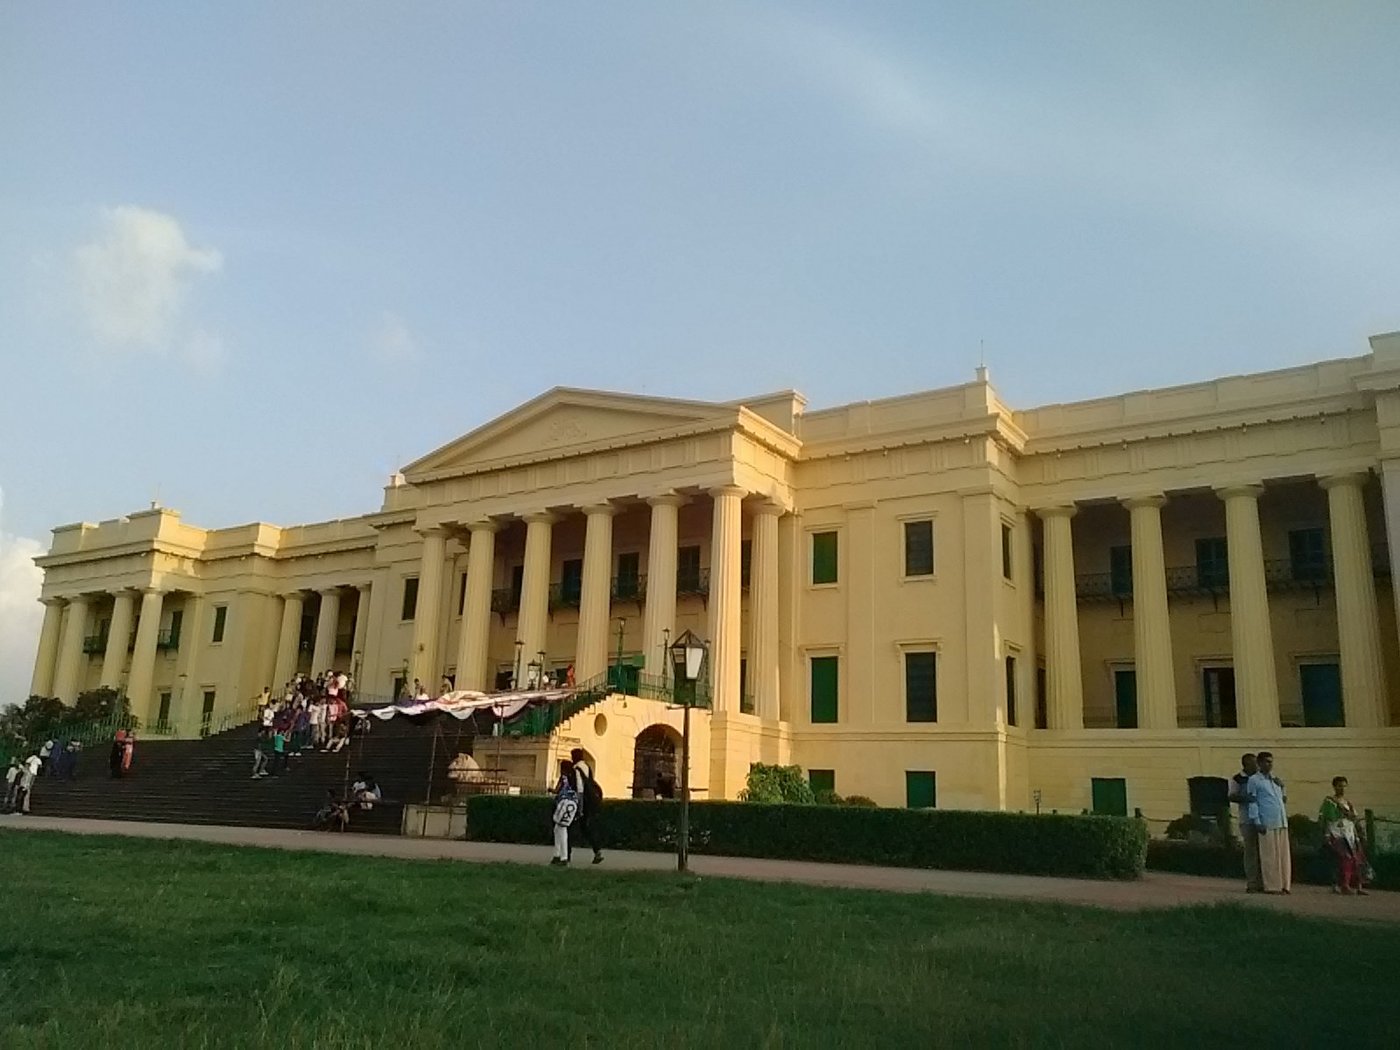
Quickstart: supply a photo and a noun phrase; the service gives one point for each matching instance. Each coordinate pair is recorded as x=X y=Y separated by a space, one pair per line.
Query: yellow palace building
x=934 y=599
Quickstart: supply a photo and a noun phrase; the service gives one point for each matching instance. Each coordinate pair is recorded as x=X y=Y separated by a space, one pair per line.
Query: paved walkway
x=1154 y=890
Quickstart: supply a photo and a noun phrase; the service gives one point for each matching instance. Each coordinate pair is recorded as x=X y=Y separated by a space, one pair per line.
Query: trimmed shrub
x=827 y=798
x=861 y=800
x=1093 y=846
x=776 y=784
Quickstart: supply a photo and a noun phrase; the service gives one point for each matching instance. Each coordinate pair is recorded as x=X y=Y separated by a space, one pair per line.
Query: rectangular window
x=517 y=585
x=571 y=581
x=822 y=781
x=920 y=789
x=745 y=562
x=163 y=718
x=1042 y=692
x=688 y=570
x=461 y=594
x=629 y=574
x=206 y=714
x=307 y=635
x=823 y=557
x=825 y=689
x=1120 y=571
x=1307 y=555
x=220 y=622
x=1322 y=694
x=1218 y=691
x=1110 y=795
x=1125 y=697
x=1006 y=551
x=746 y=704
x=410 y=599
x=918 y=548
x=1212 y=563
x=1011 y=691
x=921 y=687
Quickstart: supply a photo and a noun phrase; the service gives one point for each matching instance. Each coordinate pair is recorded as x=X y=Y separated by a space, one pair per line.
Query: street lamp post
x=687 y=660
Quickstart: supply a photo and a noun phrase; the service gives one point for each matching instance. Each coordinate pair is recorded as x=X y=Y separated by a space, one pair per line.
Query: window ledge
x=823 y=586
x=922 y=578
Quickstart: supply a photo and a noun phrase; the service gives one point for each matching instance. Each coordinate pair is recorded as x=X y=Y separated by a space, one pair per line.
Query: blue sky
x=253 y=256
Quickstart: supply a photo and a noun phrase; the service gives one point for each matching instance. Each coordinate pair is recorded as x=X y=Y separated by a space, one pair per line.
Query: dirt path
x=1154 y=890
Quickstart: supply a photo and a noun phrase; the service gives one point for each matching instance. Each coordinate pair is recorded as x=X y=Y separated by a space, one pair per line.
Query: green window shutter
x=1011 y=713
x=1006 y=564
x=918 y=548
x=823 y=557
x=921 y=687
x=1120 y=570
x=1212 y=563
x=1110 y=796
x=220 y=621
x=410 y=598
x=825 y=675
x=1125 y=698
x=920 y=789
x=571 y=581
x=1322 y=694
x=822 y=780
x=688 y=570
x=1307 y=554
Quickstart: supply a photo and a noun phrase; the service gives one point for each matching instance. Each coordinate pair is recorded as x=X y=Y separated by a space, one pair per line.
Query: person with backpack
x=565 y=812
x=590 y=802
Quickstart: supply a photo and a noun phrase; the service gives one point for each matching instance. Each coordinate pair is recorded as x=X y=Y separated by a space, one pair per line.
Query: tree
x=776 y=784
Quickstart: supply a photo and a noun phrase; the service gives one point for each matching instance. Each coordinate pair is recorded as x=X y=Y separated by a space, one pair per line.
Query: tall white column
x=763 y=612
x=357 y=653
x=288 y=640
x=725 y=588
x=660 y=615
x=1152 y=635
x=595 y=606
x=70 y=650
x=475 y=642
x=143 y=660
x=423 y=664
x=187 y=661
x=42 y=682
x=533 y=629
x=1252 y=635
x=323 y=649
x=1358 y=625
x=1064 y=677
x=118 y=634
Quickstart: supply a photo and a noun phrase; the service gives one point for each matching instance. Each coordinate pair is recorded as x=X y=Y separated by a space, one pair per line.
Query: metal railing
x=565 y=594
x=693 y=584
x=167 y=640
x=95 y=643
x=629 y=588
x=505 y=600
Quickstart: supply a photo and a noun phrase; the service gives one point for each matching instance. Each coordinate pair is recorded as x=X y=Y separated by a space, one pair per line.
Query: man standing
x=12 y=781
x=590 y=802
x=32 y=766
x=1249 y=834
x=1269 y=816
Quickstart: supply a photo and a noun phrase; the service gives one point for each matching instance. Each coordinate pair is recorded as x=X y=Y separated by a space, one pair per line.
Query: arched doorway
x=654 y=765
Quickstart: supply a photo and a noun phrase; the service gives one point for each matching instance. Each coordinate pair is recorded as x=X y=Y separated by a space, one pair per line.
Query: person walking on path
x=590 y=802
x=1269 y=814
x=1249 y=834
x=1340 y=832
x=565 y=809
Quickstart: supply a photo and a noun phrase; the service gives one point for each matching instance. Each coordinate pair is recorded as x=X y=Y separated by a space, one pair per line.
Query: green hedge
x=1310 y=865
x=1098 y=847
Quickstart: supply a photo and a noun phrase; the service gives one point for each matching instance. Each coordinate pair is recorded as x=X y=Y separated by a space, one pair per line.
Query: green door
x=1110 y=796
x=1322 y=694
x=1125 y=698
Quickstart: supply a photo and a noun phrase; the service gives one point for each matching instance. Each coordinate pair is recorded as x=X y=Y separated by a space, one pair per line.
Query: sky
x=255 y=256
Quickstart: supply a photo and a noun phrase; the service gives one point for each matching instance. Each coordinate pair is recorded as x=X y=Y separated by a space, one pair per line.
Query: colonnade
x=1256 y=684
x=590 y=658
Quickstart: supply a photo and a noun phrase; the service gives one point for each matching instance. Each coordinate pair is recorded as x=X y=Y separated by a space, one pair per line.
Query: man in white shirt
x=12 y=776
x=32 y=765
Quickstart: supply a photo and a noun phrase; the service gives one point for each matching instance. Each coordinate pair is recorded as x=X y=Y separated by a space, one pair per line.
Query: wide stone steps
x=209 y=781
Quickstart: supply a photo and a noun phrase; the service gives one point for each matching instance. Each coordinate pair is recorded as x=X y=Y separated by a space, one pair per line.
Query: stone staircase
x=209 y=781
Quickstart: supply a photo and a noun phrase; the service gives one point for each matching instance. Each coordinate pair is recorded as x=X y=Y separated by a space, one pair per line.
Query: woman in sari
x=1343 y=838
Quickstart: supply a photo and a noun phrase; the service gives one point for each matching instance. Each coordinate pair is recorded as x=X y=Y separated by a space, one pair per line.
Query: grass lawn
x=108 y=942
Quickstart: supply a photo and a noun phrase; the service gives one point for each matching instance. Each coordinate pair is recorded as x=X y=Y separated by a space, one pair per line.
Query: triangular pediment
x=565 y=419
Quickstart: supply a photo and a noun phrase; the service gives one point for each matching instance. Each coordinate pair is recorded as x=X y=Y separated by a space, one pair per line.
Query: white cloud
x=392 y=343
x=134 y=279
x=21 y=615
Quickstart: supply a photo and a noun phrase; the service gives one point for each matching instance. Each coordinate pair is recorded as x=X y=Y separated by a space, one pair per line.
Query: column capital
x=1355 y=478
x=539 y=517
x=1251 y=491
x=769 y=507
x=483 y=525
x=605 y=507
x=362 y=587
x=666 y=499
x=1067 y=510
x=326 y=592
x=432 y=531
x=728 y=490
x=1155 y=499
x=54 y=603
x=296 y=593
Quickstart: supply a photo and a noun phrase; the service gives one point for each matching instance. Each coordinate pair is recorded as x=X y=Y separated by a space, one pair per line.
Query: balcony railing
x=693 y=584
x=168 y=640
x=629 y=588
x=505 y=600
x=565 y=595
x=95 y=643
